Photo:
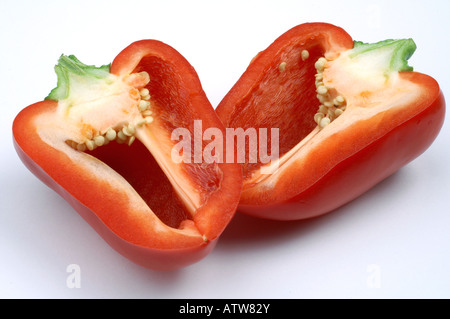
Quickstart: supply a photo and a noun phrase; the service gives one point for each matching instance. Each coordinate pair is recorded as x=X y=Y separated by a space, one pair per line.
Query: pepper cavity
x=332 y=104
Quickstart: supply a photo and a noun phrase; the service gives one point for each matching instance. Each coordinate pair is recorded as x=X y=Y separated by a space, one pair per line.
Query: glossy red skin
x=152 y=258
x=130 y=238
x=357 y=172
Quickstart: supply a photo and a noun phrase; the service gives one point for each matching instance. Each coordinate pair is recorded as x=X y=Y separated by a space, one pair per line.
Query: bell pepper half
x=103 y=140
x=349 y=115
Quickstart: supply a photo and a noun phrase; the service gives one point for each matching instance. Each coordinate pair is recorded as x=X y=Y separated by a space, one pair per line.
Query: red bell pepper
x=349 y=115
x=102 y=140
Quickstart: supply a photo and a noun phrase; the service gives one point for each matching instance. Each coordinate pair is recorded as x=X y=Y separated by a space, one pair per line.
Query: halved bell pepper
x=103 y=140
x=349 y=115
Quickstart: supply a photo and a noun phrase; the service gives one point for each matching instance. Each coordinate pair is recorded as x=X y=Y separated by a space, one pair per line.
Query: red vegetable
x=349 y=115
x=102 y=140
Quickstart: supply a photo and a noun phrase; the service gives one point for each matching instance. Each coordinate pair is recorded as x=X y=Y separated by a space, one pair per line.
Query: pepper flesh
x=160 y=214
x=323 y=165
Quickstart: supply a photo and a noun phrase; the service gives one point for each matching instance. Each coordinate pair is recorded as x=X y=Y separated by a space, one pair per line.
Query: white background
x=392 y=242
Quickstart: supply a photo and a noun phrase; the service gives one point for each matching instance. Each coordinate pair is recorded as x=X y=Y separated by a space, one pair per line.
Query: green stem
x=399 y=51
x=68 y=68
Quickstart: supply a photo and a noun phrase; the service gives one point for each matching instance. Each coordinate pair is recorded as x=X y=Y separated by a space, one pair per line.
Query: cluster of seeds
x=123 y=134
x=332 y=105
